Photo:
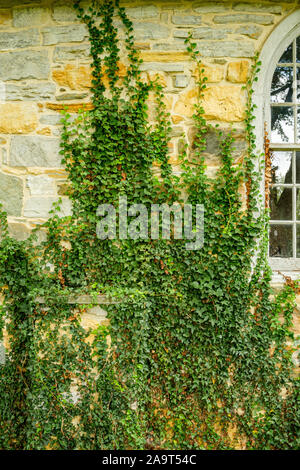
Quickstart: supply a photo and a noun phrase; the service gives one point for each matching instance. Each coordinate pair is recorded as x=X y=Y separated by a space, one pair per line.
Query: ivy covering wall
x=195 y=354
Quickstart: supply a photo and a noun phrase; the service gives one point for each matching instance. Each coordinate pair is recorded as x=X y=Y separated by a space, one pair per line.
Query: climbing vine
x=197 y=351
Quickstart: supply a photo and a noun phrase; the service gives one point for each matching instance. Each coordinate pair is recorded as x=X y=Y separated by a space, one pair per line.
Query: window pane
x=298 y=49
x=287 y=56
x=298 y=84
x=298 y=204
x=281 y=203
x=281 y=244
x=297 y=157
x=282 y=85
x=282 y=124
x=298 y=241
x=298 y=124
x=281 y=163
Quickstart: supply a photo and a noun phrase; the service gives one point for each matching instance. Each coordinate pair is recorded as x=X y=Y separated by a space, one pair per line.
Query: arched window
x=278 y=103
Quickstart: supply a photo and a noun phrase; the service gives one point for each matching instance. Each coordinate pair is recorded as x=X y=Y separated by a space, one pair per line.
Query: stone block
x=76 y=51
x=39 y=207
x=73 y=76
x=11 y=194
x=145 y=30
x=64 y=12
x=35 y=151
x=70 y=33
x=18 y=118
x=244 y=18
x=149 y=56
x=186 y=19
x=226 y=48
x=29 y=16
x=250 y=30
x=40 y=185
x=213 y=73
x=237 y=72
x=33 y=91
x=18 y=230
x=24 y=64
x=163 y=67
x=258 y=7
x=221 y=103
x=212 y=7
x=181 y=81
x=19 y=39
x=142 y=12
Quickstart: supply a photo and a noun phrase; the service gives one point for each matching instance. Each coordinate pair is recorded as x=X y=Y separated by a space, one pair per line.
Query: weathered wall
x=45 y=64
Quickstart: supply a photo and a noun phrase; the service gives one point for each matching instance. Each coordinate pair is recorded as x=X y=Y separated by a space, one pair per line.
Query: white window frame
x=277 y=42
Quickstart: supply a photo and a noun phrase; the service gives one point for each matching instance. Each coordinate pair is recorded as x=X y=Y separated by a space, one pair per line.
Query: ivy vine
x=197 y=353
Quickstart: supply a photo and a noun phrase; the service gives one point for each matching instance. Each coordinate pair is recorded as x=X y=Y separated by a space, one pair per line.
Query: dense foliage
x=195 y=354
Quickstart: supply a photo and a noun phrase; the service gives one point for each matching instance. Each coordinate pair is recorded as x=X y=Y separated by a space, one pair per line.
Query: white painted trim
x=273 y=48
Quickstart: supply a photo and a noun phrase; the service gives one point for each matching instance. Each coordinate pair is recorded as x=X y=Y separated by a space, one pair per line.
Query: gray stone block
x=39 y=207
x=33 y=91
x=19 y=39
x=163 y=67
x=258 y=7
x=24 y=64
x=11 y=194
x=29 y=16
x=70 y=33
x=141 y=12
x=226 y=48
x=186 y=19
x=35 y=151
x=246 y=18
x=150 y=31
x=64 y=53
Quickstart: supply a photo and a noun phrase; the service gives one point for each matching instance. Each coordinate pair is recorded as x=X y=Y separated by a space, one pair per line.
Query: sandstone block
x=24 y=64
x=5 y=17
x=29 y=16
x=11 y=194
x=221 y=103
x=35 y=151
x=71 y=108
x=39 y=207
x=213 y=73
x=73 y=76
x=18 y=231
x=149 y=56
x=18 y=118
x=237 y=72
x=70 y=33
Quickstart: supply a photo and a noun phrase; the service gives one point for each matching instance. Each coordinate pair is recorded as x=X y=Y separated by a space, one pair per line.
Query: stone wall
x=45 y=65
